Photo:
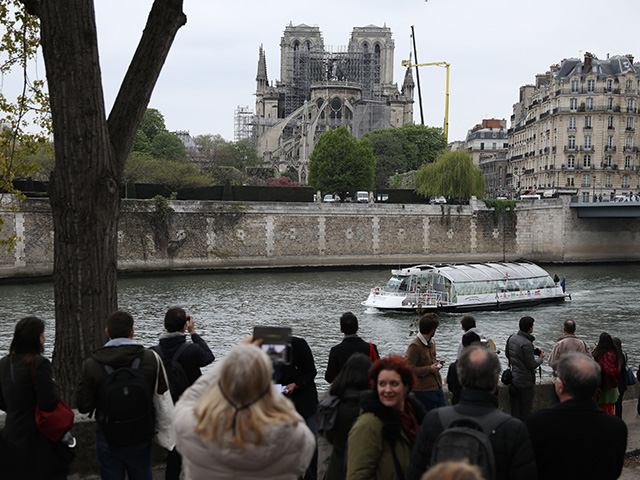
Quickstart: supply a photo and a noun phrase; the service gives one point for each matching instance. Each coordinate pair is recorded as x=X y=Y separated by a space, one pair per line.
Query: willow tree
x=452 y=175
x=90 y=155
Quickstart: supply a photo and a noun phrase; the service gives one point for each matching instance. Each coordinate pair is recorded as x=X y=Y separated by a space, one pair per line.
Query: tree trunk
x=90 y=156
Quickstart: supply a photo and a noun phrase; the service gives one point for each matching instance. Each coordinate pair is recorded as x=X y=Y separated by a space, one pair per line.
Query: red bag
x=56 y=423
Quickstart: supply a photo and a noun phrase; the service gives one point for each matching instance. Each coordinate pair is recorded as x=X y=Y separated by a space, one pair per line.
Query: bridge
x=606 y=209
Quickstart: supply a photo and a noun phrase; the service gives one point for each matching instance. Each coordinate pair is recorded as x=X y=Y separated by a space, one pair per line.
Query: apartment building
x=487 y=144
x=574 y=130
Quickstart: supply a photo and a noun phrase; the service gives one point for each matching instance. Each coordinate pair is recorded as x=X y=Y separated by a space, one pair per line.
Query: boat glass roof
x=473 y=272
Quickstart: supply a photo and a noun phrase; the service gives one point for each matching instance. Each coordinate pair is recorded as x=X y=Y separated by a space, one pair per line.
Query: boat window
x=397 y=283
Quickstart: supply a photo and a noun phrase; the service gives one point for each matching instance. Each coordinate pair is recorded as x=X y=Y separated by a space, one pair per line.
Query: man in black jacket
x=351 y=344
x=575 y=438
x=192 y=356
x=479 y=369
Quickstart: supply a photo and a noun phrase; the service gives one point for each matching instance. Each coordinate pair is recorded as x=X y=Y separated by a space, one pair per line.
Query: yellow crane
x=408 y=64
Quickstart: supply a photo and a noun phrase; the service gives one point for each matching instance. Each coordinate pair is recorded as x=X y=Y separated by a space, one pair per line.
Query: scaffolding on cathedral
x=243 y=126
x=305 y=67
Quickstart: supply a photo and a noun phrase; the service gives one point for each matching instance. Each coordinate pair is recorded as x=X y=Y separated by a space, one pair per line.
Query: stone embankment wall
x=196 y=235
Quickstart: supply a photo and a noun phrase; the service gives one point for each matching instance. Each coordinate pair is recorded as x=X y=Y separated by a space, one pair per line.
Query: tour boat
x=467 y=287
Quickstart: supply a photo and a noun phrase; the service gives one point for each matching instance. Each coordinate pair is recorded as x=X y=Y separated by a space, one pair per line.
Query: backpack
x=327 y=414
x=178 y=379
x=467 y=438
x=124 y=407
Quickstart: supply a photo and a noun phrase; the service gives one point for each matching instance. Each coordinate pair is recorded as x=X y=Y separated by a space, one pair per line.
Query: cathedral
x=322 y=88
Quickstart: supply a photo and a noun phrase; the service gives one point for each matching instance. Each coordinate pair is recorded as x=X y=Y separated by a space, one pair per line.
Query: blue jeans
x=115 y=461
x=431 y=399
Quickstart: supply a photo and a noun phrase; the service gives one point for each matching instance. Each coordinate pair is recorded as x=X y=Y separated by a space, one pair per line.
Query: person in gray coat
x=524 y=360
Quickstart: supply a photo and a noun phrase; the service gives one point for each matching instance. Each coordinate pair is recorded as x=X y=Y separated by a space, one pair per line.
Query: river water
x=226 y=307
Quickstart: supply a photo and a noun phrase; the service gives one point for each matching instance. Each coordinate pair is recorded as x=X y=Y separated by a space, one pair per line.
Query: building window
x=574 y=86
x=587 y=141
x=587 y=121
x=629 y=84
x=608 y=161
x=610 y=104
x=495 y=145
x=610 y=122
x=630 y=104
x=586 y=161
x=573 y=104
x=625 y=181
x=572 y=123
x=571 y=161
x=572 y=142
x=609 y=85
x=610 y=141
x=591 y=84
x=589 y=104
x=628 y=142
x=482 y=146
x=630 y=123
x=586 y=180
x=628 y=162
x=607 y=180
x=570 y=181
x=585 y=197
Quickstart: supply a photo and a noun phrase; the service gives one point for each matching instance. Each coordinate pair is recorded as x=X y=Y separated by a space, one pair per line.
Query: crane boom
x=447 y=65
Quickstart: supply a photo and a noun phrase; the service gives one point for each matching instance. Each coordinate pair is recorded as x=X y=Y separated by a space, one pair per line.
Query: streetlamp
x=594 y=188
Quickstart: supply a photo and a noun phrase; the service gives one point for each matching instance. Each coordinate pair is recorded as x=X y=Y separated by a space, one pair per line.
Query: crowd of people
x=251 y=417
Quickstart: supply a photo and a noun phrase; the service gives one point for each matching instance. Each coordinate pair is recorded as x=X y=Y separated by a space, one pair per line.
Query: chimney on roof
x=630 y=57
x=588 y=59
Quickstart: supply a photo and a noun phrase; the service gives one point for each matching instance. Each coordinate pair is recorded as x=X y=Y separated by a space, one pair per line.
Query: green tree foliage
x=240 y=155
x=340 y=163
x=141 y=143
x=19 y=45
x=404 y=149
x=452 y=175
x=166 y=145
x=152 y=123
x=209 y=144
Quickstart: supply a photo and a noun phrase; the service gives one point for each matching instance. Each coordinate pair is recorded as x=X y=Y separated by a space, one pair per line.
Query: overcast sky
x=494 y=47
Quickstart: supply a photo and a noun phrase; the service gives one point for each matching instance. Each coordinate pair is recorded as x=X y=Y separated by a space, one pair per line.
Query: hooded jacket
x=285 y=454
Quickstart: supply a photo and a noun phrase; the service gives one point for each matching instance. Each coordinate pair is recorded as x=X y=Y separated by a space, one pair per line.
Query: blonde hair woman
x=233 y=423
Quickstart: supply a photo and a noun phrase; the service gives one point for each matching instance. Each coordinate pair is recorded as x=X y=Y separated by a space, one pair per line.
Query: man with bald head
x=478 y=371
x=575 y=438
x=567 y=343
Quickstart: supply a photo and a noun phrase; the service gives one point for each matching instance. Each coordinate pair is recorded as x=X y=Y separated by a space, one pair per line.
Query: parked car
x=328 y=198
x=439 y=199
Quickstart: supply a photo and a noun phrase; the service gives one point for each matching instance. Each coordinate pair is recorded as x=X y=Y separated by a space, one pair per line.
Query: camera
x=276 y=343
x=537 y=351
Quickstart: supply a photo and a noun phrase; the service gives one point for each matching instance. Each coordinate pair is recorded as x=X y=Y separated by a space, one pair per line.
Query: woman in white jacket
x=232 y=423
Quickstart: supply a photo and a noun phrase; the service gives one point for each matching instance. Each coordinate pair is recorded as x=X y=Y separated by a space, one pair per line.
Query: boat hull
x=487 y=307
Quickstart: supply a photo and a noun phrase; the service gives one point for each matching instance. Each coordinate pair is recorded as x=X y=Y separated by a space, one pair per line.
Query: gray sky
x=494 y=47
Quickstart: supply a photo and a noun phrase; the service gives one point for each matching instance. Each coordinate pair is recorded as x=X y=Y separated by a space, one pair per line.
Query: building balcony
x=610 y=148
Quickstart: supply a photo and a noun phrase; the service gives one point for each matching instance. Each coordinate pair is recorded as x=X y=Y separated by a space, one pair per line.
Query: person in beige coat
x=233 y=423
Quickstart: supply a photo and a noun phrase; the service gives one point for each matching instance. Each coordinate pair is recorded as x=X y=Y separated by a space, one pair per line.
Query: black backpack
x=467 y=438
x=178 y=379
x=327 y=414
x=125 y=405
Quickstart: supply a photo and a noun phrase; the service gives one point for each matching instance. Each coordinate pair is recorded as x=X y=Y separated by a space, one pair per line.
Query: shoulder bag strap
x=396 y=462
x=182 y=348
x=372 y=353
x=506 y=351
